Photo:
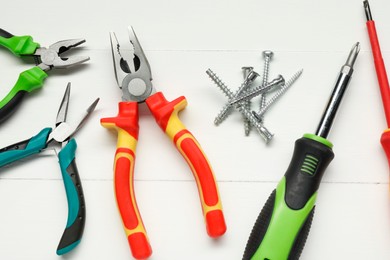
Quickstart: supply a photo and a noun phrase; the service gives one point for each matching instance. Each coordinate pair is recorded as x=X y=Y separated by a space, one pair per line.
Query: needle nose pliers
x=61 y=134
x=134 y=77
x=45 y=59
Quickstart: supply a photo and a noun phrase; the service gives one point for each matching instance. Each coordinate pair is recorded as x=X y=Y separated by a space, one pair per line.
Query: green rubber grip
x=18 y=45
x=281 y=230
x=28 y=81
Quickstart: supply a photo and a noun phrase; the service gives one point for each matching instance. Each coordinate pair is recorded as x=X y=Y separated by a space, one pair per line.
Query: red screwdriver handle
x=380 y=69
x=385 y=141
x=126 y=124
x=166 y=115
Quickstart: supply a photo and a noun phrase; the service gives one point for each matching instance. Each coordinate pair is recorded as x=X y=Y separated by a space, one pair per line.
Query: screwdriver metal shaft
x=338 y=93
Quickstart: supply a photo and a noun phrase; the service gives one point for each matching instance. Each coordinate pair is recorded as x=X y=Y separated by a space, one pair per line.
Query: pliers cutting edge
x=61 y=134
x=134 y=78
x=32 y=79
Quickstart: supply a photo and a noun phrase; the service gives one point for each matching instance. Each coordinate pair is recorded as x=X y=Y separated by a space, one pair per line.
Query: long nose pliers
x=134 y=77
x=61 y=134
x=45 y=59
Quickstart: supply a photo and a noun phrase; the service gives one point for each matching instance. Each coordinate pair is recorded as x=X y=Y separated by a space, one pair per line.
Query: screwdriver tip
x=353 y=55
x=367 y=10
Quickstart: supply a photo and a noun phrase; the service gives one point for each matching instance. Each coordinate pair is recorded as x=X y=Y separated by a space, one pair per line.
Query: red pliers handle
x=166 y=115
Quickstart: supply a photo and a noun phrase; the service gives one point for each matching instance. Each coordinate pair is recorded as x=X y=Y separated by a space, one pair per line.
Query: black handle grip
x=75 y=196
x=300 y=241
x=5 y=34
x=304 y=174
x=9 y=108
x=16 y=146
x=260 y=228
x=73 y=234
x=29 y=80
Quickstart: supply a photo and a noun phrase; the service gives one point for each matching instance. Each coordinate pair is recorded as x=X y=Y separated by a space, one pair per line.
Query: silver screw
x=278 y=94
x=246 y=71
x=226 y=110
x=264 y=132
x=247 y=103
x=220 y=84
x=279 y=80
x=267 y=59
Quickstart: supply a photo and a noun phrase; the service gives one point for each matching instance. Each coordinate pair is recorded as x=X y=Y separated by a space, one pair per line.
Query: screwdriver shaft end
x=353 y=55
x=367 y=10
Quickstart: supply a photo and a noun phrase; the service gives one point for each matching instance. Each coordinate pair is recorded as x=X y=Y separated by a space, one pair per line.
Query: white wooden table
x=182 y=39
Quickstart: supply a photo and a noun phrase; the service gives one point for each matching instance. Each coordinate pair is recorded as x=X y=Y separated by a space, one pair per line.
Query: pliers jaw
x=63 y=130
x=49 y=58
x=132 y=69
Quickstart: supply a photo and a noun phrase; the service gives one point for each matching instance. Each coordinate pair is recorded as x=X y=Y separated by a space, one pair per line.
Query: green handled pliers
x=32 y=79
x=61 y=134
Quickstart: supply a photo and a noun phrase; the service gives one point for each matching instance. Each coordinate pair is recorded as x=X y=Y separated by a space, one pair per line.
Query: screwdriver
x=281 y=229
x=381 y=75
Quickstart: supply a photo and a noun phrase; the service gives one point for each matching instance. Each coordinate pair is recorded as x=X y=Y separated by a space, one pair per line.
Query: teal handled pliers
x=61 y=134
x=32 y=79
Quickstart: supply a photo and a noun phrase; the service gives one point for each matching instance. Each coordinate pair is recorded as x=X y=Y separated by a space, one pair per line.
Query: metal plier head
x=132 y=69
x=49 y=58
x=63 y=130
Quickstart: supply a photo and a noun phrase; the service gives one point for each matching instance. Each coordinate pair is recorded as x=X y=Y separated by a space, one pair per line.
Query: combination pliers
x=134 y=77
x=45 y=59
x=61 y=134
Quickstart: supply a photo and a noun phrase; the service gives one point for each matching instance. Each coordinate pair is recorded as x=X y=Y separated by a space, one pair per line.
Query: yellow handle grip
x=126 y=124
x=166 y=115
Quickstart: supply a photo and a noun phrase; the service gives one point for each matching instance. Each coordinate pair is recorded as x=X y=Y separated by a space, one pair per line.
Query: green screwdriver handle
x=281 y=230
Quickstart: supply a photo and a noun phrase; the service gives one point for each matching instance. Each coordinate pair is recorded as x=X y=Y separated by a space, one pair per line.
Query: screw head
x=268 y=54
x=246 y=71
x=280 y=79
x=247 y=68
x=252 y=75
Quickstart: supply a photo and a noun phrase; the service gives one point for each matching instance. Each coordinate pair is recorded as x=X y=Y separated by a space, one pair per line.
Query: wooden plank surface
x=182 y=39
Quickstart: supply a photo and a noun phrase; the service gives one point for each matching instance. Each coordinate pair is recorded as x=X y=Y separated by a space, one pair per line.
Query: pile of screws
x=241 y=99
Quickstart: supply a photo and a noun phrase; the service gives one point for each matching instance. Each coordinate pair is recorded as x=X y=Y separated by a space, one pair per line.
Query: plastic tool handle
x=25 y=148
x=385 y=141
x=18 y=45
x=166 y=115
x=126 y=124
x=380 y=69
x=281 y=230
x=74 y=194
x=28 y=81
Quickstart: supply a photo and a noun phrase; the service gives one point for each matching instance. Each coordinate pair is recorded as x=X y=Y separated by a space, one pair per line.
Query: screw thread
x=263 y=131
x=223 y=114
x=246 y=84
x=258 y=90
x=247 y=104
x=226 y=110
x=250 y=77
x=220 y=84
x=247 y=123
x=263 y=99
x=266 y=70
x=278 y=94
